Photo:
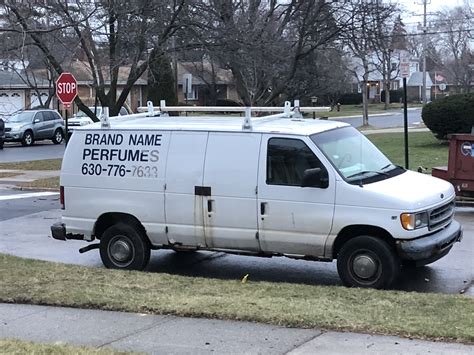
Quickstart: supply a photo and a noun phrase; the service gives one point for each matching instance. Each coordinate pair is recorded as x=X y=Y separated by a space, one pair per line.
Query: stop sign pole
x=66 y=91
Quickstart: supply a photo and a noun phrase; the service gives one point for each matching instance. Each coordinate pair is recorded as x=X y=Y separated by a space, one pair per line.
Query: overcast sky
x=414 y=9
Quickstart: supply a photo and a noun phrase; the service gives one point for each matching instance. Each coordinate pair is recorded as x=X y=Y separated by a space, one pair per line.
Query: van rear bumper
x=58 y=231
x=428 y=249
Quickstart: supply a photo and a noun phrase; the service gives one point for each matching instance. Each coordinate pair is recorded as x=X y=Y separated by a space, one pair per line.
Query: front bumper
x=428 y=249
x=13 y=136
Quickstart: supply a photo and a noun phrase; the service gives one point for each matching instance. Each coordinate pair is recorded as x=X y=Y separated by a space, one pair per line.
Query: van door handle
x=209 y=205
x=263 y=207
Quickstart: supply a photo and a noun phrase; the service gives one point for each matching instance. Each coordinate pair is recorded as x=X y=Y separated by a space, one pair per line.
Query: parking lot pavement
x=180 y=335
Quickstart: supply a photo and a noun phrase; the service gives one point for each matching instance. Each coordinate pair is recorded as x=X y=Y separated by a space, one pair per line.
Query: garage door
x=10 y=102
x=35 y=100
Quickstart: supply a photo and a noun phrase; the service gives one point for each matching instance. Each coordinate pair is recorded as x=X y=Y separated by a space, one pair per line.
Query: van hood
x=408 y=192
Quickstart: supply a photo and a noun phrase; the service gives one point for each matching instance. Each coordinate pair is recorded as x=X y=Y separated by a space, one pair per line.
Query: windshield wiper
x=363 y=172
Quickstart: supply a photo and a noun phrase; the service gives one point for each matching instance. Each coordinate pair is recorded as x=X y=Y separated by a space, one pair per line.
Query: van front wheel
x=123 y=246
x=367 y=261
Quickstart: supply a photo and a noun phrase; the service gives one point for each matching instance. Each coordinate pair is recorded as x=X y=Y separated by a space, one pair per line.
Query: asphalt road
x=25 y=233
x=394 y=119
x=14 y=152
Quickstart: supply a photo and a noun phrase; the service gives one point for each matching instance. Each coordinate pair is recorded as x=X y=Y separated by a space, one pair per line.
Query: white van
x=274 y=186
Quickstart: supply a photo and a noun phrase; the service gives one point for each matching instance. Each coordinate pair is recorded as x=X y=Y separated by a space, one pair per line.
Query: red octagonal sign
x=66 y=88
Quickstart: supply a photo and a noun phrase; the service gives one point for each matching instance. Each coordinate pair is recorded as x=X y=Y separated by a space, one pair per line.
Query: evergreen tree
x=161 y=84
x=399 y=33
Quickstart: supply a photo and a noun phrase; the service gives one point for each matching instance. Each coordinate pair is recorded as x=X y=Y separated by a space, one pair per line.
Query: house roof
x=83 y=73
x=202 y=73
x=416 y=79
x=14 y=80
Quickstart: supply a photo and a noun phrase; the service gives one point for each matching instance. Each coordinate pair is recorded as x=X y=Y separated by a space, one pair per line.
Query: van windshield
x=356 y=159
x=21 y=117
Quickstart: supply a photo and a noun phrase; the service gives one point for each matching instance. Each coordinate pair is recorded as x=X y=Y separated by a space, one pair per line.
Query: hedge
x=452 y=114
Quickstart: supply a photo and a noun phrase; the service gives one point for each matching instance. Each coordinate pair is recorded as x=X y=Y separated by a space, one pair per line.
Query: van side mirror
x=315 y=177
x=36 y=120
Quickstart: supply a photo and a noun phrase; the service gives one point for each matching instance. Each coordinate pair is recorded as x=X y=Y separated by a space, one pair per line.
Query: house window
x=394 y=85
x=394 y=66
x=193 y=95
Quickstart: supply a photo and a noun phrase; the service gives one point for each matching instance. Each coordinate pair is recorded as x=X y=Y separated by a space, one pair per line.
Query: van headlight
x=83 y=123
x=411 y=221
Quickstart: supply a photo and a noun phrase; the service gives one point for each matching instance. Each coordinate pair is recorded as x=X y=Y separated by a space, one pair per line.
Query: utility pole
x=423 y=93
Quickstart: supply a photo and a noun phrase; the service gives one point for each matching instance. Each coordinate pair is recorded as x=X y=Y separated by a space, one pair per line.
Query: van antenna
x=105 y=118
x=247 y=125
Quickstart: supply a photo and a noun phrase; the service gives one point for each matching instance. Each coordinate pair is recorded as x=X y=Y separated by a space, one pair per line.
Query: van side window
x=287 y=159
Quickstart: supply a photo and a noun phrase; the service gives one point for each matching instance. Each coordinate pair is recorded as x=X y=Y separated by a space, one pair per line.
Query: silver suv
x=32 y=125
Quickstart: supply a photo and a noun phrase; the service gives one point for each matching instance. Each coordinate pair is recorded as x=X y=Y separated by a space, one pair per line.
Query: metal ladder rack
x=287 y=111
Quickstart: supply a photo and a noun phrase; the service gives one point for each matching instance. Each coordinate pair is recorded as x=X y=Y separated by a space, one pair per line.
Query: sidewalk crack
x=140 y=330
x=305 y=342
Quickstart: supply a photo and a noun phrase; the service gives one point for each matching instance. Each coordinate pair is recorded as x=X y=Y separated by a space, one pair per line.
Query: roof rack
x=287 y=111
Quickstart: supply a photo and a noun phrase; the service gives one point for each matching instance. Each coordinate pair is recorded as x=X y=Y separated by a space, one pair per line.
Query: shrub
x=351 y=99
x=396 y=96
x=452 y=114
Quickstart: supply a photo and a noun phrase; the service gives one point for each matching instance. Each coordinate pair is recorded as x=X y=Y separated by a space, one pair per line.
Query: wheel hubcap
x=28 y=139
x=59 y=136
x=120 y=250
x=364 y=266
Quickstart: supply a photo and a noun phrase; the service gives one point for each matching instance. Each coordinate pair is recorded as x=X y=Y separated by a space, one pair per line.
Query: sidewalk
x=24 y=176
x=175 y=335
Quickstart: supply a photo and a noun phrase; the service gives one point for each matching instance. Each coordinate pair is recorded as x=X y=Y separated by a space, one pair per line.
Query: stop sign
x=66 y=88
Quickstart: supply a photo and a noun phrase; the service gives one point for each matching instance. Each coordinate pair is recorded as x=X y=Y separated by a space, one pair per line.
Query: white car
x=81 y=119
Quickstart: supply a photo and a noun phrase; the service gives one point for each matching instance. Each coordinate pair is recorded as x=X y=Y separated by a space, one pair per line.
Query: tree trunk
x=365 y=104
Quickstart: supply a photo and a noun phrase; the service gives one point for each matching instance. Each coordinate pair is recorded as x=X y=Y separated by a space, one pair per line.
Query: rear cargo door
x=229 y=191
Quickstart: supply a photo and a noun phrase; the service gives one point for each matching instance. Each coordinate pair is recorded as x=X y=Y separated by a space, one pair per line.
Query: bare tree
x=455 y=26
x=360 y=38
x=263 y=42
x=109 y=35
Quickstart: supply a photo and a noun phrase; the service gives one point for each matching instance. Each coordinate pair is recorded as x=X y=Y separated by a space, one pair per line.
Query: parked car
x=81 y=119
x=2 y=133
x=32 y=125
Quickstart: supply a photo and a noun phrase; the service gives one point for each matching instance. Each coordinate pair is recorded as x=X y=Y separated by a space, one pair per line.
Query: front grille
x=441 y=216
x=7 y=129
x=74 y=124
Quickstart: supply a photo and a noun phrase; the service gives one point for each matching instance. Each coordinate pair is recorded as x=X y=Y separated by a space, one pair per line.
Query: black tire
x=28 y=139
x=124 y=246
x=367 y=261
x=58 y=136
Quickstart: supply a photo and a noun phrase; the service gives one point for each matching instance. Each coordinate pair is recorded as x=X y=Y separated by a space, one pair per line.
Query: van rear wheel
x=367 y=261
x=123 y=246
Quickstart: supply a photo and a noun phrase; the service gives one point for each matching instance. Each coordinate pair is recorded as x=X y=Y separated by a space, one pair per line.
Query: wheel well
x=350 y=232
x=31 y=131
x=109 y=219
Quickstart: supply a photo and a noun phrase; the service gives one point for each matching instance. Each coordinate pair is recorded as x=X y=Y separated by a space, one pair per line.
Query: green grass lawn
x=47 y=164
x=424 y=149
x=11 y=346
x=410 y=314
